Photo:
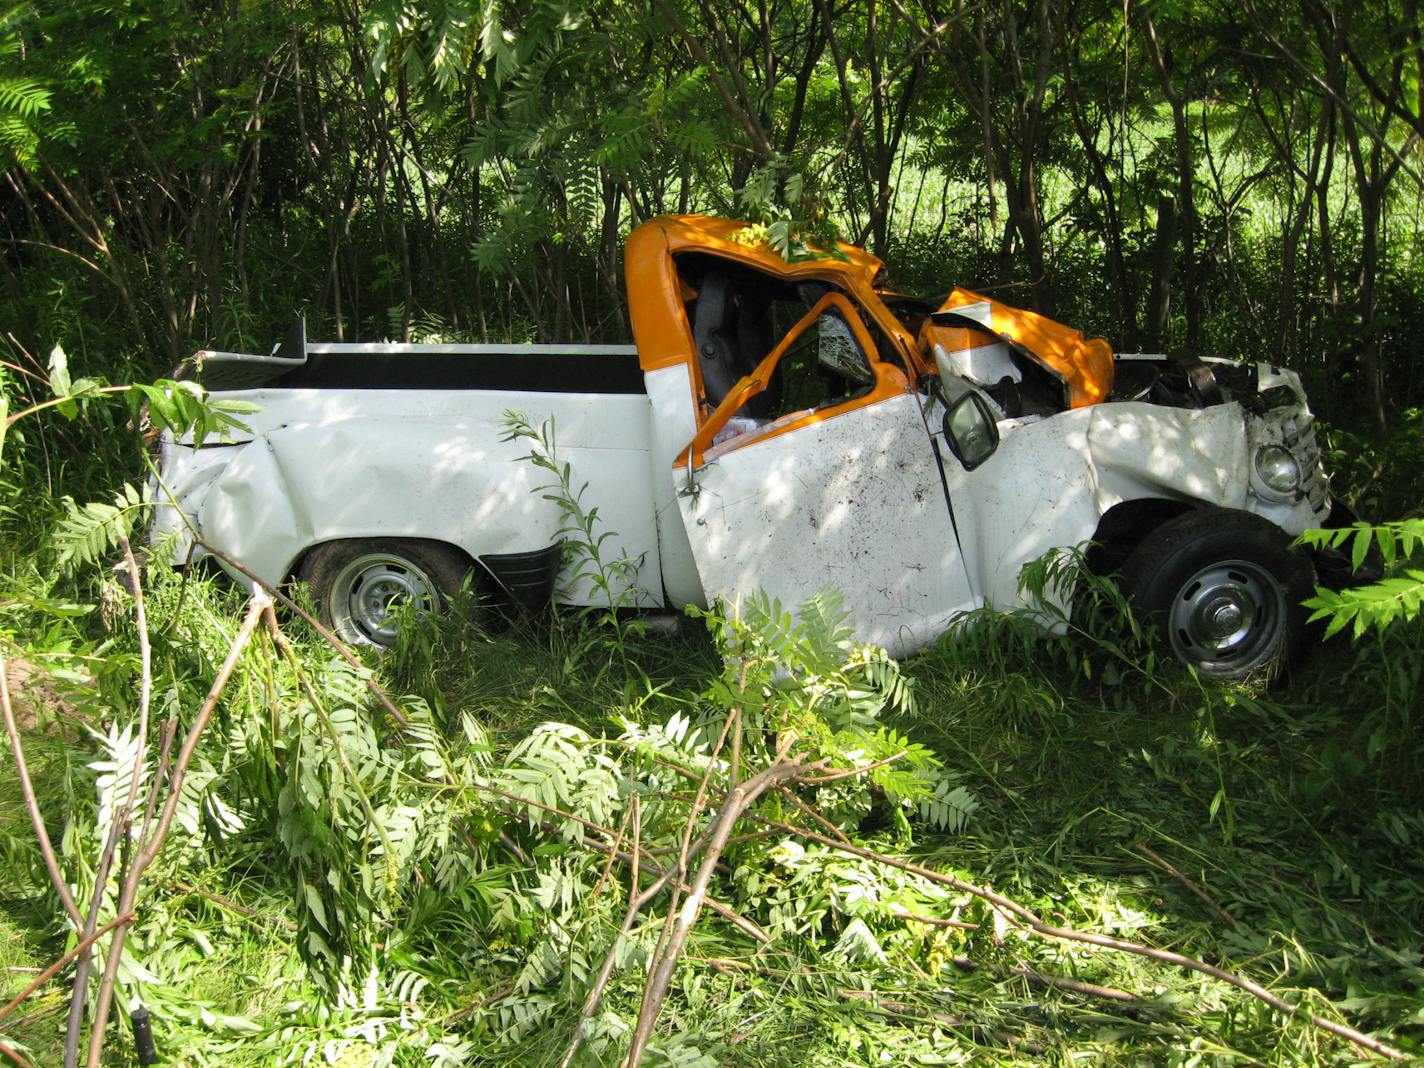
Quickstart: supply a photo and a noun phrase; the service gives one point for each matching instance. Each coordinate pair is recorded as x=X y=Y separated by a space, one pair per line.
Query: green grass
x=1259 y=797
x=1279 y=803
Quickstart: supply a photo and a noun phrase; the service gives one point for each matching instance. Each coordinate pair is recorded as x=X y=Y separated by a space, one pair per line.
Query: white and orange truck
x=777 y=426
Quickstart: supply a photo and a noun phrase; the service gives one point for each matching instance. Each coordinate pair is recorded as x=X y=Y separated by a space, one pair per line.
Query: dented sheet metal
x=705 y=500
x=1051 y=480
x=852 y=503
x=328 y=465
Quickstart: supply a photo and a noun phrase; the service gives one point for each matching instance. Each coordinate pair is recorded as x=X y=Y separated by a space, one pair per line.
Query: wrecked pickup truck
x=778 y=426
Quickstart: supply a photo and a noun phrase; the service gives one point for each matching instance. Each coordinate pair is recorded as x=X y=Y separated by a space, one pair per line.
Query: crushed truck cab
x=776 y=426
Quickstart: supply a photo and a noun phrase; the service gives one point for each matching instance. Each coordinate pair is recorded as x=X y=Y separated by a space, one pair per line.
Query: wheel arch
x=1122 y=527
x=294 y=566
x=522 y=579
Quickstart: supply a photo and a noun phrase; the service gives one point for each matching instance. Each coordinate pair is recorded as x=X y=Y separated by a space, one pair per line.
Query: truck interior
x=738 y=316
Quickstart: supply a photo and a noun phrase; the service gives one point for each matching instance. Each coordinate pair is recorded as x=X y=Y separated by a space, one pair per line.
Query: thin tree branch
x=32 y=805
x=736 y=919
x=15 y=1057
x=751 y=127
x=148 y=851
x=1193 y=887
x=848 y=773
x=933 y=921
x=120 y=829
x=1027 y=919
x=49 y=973
x=1057 y=982
x=342 y=649
x=738 y=800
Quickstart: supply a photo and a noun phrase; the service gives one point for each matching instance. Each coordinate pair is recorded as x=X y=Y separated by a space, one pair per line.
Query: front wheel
x=356 y=584
x=1225 y=589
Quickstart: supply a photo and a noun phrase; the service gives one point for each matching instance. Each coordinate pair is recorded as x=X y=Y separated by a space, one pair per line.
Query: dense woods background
x=449 y=886
x=1244 y=179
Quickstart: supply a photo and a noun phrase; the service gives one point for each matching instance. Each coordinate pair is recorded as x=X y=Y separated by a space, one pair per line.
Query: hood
x=1083 y=365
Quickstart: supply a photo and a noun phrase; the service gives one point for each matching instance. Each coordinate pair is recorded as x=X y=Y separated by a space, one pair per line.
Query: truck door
x=840 y=491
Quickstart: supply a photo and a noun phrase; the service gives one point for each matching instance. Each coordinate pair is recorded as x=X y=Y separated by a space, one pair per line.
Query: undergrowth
x=752 y=842
x=336 y=897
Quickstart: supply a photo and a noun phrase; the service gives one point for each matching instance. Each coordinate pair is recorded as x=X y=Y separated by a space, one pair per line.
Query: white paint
x=1052 y=479
x=673 y=423
x=325 y=465
x=852 y=503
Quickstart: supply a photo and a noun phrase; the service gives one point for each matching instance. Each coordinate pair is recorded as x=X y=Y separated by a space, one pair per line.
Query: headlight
x=1278 y=468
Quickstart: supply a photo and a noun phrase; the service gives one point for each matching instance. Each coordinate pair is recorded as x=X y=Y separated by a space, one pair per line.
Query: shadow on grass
x=1276 y=829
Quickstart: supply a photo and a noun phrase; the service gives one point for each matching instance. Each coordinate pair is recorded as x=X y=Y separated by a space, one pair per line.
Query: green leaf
x=315 y=905
x=86 y=533
x=59 y=372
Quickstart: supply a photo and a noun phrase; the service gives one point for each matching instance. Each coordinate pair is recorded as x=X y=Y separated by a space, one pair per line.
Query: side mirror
x=971 y=430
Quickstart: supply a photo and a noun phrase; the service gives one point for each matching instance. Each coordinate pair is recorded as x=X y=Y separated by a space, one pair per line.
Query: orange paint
x=657 y=299
x=889 y=380
x=655 y=293
x=1085 y=364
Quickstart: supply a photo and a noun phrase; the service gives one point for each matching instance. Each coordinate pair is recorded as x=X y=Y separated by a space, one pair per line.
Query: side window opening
x=826 y=365
x=739 y=315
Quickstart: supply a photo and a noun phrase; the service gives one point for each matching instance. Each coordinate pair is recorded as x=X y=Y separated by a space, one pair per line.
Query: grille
x=1298 y=435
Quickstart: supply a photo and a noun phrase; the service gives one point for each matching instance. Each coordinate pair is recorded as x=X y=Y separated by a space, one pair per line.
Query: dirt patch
x=37 y=699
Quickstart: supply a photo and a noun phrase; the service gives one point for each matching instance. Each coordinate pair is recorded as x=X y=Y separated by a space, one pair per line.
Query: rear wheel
x=1225 y=589
x=356 y=584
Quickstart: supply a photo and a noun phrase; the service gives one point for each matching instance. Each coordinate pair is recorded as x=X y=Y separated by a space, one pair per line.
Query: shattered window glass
x=839 y=352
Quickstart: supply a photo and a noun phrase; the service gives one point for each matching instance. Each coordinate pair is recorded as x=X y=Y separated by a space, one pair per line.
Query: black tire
x=1225 y=590
x=355 y=583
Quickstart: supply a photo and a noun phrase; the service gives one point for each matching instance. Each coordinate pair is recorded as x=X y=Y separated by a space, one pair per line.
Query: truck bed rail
x=295 y=364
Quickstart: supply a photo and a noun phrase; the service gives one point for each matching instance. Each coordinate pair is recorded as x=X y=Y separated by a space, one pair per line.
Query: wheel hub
x=1227 y=614
x=369 y=588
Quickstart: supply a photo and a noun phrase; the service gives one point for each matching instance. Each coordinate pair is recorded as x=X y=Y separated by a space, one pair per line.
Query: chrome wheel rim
x=1228 y=617
x=366 y=590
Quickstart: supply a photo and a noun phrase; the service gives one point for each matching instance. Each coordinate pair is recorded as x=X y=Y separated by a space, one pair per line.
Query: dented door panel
x=853 y=503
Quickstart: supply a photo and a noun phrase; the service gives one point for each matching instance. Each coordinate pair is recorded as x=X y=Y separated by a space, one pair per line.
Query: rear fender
x=297 y=486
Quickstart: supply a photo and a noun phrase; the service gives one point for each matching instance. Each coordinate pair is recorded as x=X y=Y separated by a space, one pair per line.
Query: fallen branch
x=1057 y=982
x=901 y=913
x=736 y=919
x=15 y=1057
x=32 y=805
x=738 y=800
x=684 y=856
x=878 y=1002
x=50 y=972
x=226 y=903
x=806 y=809
x=848 y=773
x=121 y=827
x=327 y=635
x=148 y=851
x=636 y=903
x=1166 y=866
x=1027 y=919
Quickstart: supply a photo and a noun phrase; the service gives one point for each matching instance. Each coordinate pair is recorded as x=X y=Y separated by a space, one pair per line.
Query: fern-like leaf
x=88 y=532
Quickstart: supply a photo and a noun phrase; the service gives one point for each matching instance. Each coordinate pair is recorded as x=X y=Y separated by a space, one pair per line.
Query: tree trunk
x=1164 y=251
